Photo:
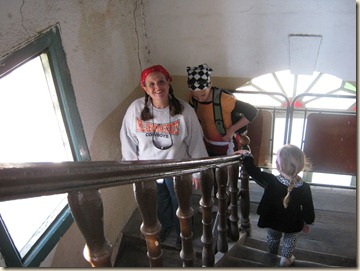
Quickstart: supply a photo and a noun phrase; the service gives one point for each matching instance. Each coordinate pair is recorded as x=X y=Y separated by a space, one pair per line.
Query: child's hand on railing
x=242 y=152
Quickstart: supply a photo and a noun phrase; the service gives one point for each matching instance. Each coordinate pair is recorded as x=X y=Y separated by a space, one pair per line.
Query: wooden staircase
x=331 y=243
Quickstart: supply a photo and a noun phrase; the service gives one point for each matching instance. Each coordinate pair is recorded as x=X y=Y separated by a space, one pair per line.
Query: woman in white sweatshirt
x=160 y=126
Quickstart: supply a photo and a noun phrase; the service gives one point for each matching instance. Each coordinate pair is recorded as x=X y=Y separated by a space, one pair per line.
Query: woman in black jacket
x=286 y=207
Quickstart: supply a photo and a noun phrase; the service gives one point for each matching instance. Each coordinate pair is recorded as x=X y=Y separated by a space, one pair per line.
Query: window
x=318 y=92
x=40 y=123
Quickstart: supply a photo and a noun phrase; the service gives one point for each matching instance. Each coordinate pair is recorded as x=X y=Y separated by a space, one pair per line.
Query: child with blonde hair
x=286 y=207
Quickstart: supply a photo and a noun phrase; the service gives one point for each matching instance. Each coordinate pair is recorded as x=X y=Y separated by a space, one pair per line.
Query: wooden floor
x=334 y=230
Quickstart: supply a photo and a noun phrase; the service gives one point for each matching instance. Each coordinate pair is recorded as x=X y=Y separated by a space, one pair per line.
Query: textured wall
x=107 y=46
x=248 y=38
x=100 y=41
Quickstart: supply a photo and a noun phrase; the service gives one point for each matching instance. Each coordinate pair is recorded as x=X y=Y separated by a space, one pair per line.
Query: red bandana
x=156 y=68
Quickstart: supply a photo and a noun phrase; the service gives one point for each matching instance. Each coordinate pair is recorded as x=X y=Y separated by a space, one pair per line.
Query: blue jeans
x=167 y=205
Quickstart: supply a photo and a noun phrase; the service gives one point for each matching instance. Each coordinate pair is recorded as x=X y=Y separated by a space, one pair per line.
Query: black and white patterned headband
x=199 y=77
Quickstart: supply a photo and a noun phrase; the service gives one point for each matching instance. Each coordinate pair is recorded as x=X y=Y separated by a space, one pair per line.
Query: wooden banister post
x=183 y=190
x=207 y=203
x=87 y=210
x=145 y=196
x=233 y=207
x=221 y=179
x=245 y=201
x=244 y=192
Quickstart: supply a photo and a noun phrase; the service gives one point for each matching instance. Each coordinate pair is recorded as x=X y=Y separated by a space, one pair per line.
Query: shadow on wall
x=105 y=145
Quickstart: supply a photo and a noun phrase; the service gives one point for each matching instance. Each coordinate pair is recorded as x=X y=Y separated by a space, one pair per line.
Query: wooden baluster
x=145 y=195
x=87 y=210
x=183 y=190
x=206 y=203
x=245 y=201
x=244 y=192
x=221 y=179
x=233 y=171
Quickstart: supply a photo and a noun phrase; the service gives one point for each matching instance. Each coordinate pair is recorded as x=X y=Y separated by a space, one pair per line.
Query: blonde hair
x=290 y=161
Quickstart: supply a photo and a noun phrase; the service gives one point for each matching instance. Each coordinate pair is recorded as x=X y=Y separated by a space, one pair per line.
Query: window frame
x=49 y=42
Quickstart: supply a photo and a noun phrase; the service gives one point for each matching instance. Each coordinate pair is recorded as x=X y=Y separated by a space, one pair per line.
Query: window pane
x=29 y=117
x=32 y=131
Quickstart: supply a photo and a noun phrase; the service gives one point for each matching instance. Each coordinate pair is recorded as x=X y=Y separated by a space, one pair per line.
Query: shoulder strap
x=217 y=111
x=194 y=103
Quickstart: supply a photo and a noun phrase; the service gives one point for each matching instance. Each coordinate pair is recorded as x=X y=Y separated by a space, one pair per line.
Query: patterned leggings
x=288 y=246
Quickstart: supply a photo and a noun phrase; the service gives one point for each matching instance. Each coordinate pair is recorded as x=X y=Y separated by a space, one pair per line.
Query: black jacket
x=272 y=213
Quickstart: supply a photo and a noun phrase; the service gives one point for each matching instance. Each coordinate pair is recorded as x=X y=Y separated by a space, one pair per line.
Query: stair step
x=237 y=262
x=133 y=253
x=251 y=252
x=320 y=248
x=244 y=256
x=308 y=255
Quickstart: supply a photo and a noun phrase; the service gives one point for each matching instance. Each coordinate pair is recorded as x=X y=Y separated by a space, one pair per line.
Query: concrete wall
x=249 y=38
x=100 y=41
x=109 y=42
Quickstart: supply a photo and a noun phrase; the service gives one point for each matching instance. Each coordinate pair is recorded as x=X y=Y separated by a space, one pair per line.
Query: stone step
x=251 y=253
x=307 y=255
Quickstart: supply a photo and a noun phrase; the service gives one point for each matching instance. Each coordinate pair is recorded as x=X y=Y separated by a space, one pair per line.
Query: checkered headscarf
x=198 y=77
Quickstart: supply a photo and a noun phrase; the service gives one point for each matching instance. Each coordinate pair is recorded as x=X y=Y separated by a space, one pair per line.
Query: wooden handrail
x=82 y=180
x=26 y=180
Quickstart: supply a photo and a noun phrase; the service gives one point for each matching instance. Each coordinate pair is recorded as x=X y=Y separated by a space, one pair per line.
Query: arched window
x=290 y=99
x=292 y=85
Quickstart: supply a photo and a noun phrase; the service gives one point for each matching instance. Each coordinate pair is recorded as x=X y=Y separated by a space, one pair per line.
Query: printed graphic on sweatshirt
x=160 y=129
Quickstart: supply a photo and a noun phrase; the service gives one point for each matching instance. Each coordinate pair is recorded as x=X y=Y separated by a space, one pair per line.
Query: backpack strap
x=217 y=111
x=194 y=103
x=216 y=108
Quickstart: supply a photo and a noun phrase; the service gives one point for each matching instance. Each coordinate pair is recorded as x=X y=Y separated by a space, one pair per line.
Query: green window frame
x=48 y=42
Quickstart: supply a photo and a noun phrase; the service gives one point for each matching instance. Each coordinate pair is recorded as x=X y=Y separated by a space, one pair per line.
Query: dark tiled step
x=308 y=255
x=332 y=241
x=251 y=252
x=133 y=253
x=244 y=256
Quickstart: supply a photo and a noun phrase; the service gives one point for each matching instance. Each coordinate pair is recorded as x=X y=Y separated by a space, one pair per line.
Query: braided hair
x=291 y=160
x=175 y=106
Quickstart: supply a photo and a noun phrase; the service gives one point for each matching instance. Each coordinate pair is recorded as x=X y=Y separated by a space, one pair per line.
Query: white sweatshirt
x=183 y=131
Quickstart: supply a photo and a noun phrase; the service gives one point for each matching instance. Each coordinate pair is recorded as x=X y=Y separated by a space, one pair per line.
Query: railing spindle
x=183 y=190
x=88 y=213
x=244 y=192
x=233 y=171
x=221 y=179
x=207 y=203
x=145 y=195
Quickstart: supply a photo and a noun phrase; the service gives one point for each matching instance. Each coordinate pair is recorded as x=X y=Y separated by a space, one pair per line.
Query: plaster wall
x=246 y=39
x=108 y=42
x=100 y=42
